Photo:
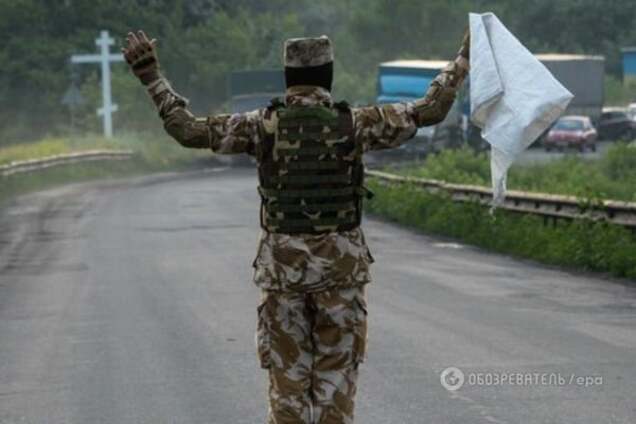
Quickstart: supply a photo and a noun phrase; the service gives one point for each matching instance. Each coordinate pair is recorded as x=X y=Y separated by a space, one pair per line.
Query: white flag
x=513 y=97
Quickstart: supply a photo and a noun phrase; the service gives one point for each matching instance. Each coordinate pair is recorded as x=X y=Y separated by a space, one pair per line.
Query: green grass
x=52 y=177
x=611 y=177
x=153 y=148
x=44 y=148
x=578 y=244
x=582 y=245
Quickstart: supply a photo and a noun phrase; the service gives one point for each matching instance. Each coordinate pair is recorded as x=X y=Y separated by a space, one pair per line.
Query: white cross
x=104 y=57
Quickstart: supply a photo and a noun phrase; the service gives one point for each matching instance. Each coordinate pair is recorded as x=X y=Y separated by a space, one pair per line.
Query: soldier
x=312 y=263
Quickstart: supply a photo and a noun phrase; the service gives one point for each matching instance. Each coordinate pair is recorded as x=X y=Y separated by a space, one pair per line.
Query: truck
x=408 y=80
x=584 y=76
x=250 y=90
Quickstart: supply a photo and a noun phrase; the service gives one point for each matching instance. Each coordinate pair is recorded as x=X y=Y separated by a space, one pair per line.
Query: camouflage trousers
x=312 y=344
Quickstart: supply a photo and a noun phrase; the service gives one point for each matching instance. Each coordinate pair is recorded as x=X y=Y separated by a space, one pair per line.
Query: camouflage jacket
x=310 y=262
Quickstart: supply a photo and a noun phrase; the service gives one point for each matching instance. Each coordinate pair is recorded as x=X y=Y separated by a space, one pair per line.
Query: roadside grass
x=151 y=147
x=583 y=245
x=154 y=153
x=612 y=176
x=44 y=148
x=18 y=184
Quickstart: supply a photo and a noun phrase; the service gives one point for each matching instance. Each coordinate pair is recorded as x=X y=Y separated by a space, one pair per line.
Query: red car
x=572 y=131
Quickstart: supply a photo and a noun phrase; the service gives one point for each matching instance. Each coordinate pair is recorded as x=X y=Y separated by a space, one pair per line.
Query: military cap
x=304 y=52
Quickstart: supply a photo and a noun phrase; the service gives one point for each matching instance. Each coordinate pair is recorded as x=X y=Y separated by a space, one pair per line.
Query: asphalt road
x=132 y=302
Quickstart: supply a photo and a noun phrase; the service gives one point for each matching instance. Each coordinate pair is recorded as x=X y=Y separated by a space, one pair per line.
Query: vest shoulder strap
x=276 y=103
x=342 y=105
x=270 y=120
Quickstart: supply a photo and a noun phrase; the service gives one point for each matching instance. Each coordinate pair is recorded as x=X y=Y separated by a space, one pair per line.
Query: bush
x=581 y=244
x=461 y=166
x=611 y=177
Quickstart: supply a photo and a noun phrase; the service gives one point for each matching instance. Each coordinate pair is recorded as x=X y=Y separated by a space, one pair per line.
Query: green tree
x=200 y=41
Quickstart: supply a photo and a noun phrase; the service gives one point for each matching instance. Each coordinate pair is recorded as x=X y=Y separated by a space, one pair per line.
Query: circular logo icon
x=452 y=378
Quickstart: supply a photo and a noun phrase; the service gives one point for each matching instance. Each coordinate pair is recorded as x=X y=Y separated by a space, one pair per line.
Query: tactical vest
x=310 y=170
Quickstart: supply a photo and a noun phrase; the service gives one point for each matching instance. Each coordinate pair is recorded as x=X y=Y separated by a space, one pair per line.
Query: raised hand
x=461 y=65
x=141 y=55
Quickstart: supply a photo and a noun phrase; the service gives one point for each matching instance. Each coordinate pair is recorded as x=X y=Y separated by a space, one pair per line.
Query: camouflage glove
x=461 y=65
x=141 y=55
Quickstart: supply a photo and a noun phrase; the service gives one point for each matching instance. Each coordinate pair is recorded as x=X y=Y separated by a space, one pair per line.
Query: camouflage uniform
x=312 y=344
x=312 y=327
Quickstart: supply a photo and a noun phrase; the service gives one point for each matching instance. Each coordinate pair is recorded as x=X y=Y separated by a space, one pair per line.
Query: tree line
x=200 y=41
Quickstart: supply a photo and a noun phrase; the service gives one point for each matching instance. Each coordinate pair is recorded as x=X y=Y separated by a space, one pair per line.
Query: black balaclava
x=321 y=76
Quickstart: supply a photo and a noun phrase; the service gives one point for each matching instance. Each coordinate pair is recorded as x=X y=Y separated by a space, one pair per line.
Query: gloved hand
x=141 y=55
x=461 y=65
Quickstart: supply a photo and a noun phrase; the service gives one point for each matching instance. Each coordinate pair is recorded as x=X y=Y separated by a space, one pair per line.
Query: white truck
x=584 y=76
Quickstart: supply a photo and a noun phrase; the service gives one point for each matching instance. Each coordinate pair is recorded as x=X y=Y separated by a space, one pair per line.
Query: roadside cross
x=104 y=58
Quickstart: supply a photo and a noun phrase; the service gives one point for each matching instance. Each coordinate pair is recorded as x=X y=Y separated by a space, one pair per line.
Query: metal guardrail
x=65 y=159
x=546 y=205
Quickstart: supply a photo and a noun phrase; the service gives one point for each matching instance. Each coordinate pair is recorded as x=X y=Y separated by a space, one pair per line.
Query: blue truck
x=407 y=80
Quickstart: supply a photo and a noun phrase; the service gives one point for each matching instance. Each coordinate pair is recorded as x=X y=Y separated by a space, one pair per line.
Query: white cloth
x=513 y=96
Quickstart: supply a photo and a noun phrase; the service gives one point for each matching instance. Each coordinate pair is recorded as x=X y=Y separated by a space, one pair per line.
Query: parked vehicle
x=571 y=131
x=631 y=111
x=615 y=124
x=250 y=90
x=408 y=80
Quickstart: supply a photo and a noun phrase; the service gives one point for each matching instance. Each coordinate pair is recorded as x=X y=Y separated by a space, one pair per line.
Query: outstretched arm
x=221 y=133
x=390 y=125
